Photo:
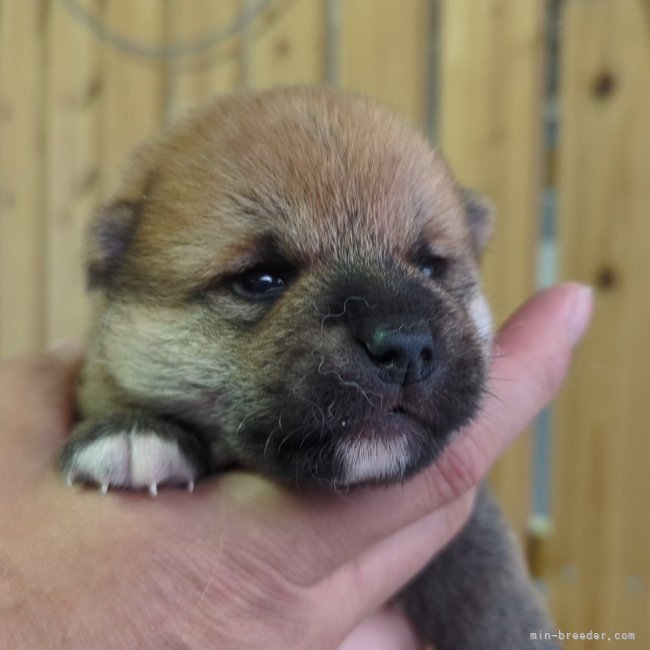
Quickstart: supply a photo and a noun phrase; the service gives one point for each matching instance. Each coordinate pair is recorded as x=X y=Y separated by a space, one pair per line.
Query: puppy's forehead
x=319 y=173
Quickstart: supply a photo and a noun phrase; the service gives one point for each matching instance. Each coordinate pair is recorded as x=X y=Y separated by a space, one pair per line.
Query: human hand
x=241 y=563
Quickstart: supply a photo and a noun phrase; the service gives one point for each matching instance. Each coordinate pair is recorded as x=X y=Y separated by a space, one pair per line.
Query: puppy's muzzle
x=403 y=355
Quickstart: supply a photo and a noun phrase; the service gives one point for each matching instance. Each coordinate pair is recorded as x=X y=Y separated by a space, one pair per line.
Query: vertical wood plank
x=491 y=82
x=74 y=91
x=194 y=78
x=600 y=574
x=289 y=44
x=134 y=87
x=384 y=48
x=21 y=175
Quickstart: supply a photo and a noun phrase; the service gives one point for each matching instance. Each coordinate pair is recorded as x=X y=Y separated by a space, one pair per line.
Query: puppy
x=288 y=282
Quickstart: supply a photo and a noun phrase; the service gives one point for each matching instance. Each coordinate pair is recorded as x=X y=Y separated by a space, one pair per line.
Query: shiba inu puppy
x=288 y=282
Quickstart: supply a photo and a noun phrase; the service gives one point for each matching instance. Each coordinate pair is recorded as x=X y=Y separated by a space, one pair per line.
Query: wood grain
x=134 y=88
x=384 y=49
x=288 y=45
x=22 y=243
x=73 y=99
x=194 y=78
x=600 y=571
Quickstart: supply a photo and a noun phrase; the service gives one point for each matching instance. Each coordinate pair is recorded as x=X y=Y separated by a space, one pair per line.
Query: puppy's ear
x=113 y=227
x=480 y=218
x=109 y=235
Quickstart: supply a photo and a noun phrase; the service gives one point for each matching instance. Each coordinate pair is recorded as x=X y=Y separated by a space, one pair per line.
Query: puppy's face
x=294 y=276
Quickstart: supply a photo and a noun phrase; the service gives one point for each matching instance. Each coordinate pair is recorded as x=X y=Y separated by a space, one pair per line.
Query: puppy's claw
x=69 y=479
x=123 y=451
x=190 y=486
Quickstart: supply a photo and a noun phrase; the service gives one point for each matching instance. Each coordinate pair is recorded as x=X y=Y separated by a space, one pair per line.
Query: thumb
x=37 y=404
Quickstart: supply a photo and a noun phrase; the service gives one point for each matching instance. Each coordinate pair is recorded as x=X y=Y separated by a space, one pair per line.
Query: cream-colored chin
x=370 y=459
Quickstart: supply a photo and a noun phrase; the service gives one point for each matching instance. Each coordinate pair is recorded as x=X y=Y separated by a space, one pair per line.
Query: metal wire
x=170 y=51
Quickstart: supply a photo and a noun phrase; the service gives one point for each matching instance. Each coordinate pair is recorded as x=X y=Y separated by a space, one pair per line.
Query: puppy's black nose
x=404 y=355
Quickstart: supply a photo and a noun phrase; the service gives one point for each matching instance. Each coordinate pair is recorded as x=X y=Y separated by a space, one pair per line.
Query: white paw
x=135 y=459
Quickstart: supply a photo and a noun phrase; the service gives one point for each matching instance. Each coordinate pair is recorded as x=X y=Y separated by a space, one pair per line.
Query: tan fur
x=335 y=163
x=336 y=177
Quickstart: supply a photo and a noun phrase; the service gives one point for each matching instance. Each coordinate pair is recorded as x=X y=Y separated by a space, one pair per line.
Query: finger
x=369 y=580
x=36 y=403
x=531 y=361
x=535 y=350
x=387 y=629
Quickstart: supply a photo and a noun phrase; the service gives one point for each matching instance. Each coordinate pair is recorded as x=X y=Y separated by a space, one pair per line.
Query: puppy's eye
x=433 y=266
x=260 y=284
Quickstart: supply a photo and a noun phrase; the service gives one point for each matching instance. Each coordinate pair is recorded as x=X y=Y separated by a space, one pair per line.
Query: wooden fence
x=75 y=95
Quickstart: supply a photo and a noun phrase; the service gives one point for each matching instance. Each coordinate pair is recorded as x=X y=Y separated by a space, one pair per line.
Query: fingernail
x=580 y=313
